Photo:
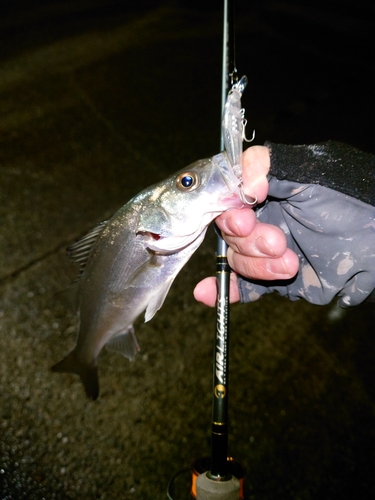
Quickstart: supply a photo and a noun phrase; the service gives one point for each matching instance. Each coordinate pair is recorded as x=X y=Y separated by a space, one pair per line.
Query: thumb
x=255 y=167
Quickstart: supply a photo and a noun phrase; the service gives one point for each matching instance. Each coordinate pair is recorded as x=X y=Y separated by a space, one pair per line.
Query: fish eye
x=187 y=181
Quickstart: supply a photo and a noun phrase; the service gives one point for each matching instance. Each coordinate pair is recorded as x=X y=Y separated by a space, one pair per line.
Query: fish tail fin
x=87 y=373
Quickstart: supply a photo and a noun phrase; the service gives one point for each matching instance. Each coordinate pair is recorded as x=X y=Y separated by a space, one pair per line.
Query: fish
x=128 y=263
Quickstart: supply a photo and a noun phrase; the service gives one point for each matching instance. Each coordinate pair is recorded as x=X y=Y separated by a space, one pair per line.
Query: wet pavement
x=97 y=101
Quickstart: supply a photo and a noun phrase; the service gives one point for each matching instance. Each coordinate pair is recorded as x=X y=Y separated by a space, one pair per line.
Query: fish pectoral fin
x=144 y=274
x=125 y=343
x=157 y=299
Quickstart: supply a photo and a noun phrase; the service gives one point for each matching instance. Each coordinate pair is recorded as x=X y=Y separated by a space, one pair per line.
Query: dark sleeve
x=331 y=164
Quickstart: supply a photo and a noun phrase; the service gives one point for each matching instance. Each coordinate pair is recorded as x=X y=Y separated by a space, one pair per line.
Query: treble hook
x=244 y=123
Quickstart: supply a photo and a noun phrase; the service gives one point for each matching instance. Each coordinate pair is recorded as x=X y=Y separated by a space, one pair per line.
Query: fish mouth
x=222 y=163
x=233 y=202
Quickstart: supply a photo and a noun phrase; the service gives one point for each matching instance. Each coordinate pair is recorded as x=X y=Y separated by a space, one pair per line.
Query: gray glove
x=334 y=237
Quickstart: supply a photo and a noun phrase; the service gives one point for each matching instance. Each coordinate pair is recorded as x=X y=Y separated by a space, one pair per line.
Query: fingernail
x=278 y=266
x=263 y=247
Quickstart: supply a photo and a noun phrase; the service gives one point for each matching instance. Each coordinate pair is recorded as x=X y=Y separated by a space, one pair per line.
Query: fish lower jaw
x=232 y=202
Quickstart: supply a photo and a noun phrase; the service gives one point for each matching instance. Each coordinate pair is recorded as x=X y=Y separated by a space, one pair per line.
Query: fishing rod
x=219 y=447
x=221 y=481
x=220 y=477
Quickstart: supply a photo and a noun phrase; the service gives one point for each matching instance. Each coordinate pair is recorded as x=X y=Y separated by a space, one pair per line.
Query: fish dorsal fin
x=80 y=250
x=125 y=343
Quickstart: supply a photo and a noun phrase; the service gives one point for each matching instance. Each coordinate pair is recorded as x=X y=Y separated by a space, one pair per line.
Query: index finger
x=237 y=222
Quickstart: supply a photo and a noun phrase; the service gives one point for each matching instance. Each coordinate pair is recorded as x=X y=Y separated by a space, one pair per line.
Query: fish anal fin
x=88 y=373
x=125 y=343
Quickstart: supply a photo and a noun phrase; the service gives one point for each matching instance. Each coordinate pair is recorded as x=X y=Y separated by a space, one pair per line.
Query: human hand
x=332 y=235
x=256 y=250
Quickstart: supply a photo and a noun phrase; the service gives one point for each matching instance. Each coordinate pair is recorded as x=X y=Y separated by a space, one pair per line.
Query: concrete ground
x=97 y=101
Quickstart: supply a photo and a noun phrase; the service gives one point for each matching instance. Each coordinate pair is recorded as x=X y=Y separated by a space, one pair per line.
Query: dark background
x=97 y=101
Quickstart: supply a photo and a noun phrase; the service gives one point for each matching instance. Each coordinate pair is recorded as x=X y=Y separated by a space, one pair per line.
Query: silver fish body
x=130 y=262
